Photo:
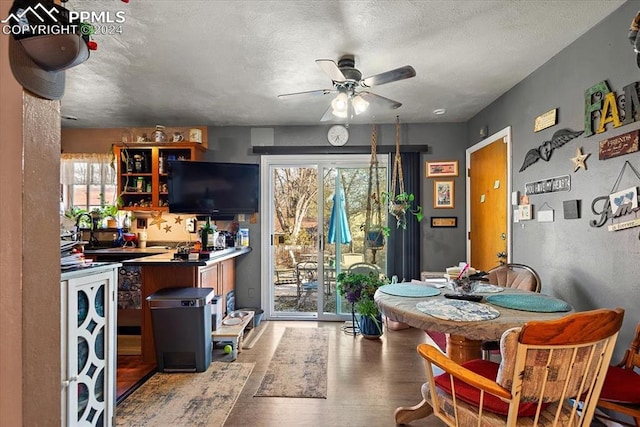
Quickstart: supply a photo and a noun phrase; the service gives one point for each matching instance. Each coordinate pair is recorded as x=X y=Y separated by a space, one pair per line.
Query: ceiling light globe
x=359 y=104
x=340 y=102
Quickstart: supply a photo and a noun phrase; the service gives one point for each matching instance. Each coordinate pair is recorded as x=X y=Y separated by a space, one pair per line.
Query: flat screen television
x=218 y=190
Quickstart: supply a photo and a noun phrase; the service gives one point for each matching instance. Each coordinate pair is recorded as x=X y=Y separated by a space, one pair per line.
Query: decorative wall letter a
x=544 y=151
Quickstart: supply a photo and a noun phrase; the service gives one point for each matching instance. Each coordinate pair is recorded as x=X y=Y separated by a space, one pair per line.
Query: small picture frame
x=443 y=194
x=438 y=169
x=444 y=221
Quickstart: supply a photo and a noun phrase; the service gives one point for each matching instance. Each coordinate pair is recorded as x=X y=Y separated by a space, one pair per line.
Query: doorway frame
x=266 y=207
x=506 y=135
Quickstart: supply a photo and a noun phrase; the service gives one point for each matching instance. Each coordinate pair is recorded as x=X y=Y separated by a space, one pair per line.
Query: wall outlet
x=190 y=225
x=240 y=217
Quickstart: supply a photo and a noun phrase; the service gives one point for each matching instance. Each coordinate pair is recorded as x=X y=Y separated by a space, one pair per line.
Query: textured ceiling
x=224 y=63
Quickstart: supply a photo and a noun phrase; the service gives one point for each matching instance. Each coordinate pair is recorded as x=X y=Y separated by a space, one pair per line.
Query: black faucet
x=93 y=220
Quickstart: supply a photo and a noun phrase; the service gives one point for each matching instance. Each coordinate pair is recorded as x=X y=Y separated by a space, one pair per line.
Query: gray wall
x=439 y=247
x=589 y=267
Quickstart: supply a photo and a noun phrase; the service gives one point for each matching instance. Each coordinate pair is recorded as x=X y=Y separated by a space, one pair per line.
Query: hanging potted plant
x=375 y=234
x=400 y=205
x=359 y=289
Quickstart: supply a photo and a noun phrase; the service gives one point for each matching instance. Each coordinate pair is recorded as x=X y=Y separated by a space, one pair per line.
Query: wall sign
x=618 y=145
x=602 y=106
x=444 y=221
x=549 y=185
x=544 y=151
x=571 y=209
x=545 y=120
x=605 y=212
x=617 y=204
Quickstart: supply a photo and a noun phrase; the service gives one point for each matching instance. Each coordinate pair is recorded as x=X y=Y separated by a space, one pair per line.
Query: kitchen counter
x=88 y=268
x=166 y=258
x=162 y=271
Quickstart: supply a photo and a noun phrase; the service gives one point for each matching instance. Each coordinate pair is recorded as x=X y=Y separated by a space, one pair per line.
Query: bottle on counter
x=207 y=236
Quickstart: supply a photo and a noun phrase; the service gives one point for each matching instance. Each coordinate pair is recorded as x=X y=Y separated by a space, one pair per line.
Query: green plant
x=359 y=289
x=401 y=204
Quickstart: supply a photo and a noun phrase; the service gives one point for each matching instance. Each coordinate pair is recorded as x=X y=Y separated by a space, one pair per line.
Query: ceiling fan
x=347 y=80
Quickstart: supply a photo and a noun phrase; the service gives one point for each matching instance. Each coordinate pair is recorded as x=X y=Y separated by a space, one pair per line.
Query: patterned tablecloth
x=458 y=310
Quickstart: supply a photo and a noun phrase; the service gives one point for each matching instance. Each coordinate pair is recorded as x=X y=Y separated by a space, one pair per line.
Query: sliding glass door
x=314 y=210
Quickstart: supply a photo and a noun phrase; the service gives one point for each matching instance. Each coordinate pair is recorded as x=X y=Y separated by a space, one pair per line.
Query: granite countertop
x=166 y=258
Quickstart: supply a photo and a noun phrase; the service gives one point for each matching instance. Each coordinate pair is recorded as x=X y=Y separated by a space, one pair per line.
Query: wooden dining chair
x=621 y=389
x=545 y=366
x=517 y=276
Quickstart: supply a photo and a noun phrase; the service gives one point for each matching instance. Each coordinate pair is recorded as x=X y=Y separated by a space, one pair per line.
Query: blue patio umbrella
x=338 y=219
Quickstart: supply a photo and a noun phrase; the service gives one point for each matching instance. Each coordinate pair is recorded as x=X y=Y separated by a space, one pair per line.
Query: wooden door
x=488 y=208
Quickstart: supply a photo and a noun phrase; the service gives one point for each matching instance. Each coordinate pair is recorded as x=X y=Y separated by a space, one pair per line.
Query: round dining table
x=463 y=337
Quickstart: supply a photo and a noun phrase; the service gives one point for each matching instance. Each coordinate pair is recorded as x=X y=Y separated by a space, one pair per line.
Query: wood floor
x=367 y=380
x=131 y=373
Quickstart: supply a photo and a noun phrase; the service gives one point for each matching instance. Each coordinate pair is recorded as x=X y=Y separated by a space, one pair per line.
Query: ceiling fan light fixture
x=340 y=113
x=340 y=103
x=359 y=104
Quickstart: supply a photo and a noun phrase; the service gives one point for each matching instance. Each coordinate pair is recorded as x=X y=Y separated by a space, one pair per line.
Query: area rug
x=185 y=399
x=298 y=367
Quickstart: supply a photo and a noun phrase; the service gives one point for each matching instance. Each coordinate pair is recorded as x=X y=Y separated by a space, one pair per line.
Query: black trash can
x=181 y=319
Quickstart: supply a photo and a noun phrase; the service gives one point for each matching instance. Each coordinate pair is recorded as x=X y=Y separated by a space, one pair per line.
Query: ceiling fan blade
x=328 y=115
x=331 y=69
x=389 y=76
x=380 y=100
x=309 y=93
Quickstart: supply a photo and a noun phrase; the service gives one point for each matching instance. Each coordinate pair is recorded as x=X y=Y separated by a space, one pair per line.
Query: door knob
x=503 y=236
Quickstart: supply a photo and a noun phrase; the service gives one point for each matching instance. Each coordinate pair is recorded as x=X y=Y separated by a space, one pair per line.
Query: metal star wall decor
x=156 y=219
x=579 y=160
x=167 y=228
x=178 y=220
x=544 y=151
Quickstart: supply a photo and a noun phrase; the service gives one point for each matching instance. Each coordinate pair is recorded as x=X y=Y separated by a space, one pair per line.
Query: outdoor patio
x=287 y=299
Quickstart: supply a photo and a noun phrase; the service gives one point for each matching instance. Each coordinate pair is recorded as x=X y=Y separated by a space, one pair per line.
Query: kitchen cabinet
x=226 y=279
x=88 y=325
x=220 y=276
x=161 y=271
x=142 y=172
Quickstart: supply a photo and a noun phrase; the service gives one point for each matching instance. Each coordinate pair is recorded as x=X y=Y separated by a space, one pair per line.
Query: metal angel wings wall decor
x=559 y=138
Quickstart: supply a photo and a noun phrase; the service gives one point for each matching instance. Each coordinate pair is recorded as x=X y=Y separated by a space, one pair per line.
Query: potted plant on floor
x=359 y=290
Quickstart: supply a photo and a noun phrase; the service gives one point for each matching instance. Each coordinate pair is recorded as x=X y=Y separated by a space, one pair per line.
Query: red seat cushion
x=621 y=386
x=471 y=395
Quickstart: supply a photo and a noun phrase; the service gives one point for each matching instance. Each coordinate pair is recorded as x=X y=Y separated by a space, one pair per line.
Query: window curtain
x=403 y=252
x=87 y=169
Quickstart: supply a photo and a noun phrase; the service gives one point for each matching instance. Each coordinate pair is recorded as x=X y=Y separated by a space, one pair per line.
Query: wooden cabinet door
x=227 y=278
x=209 y=277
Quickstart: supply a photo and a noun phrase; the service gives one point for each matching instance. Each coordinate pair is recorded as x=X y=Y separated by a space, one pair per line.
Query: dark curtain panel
x=403 y=251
